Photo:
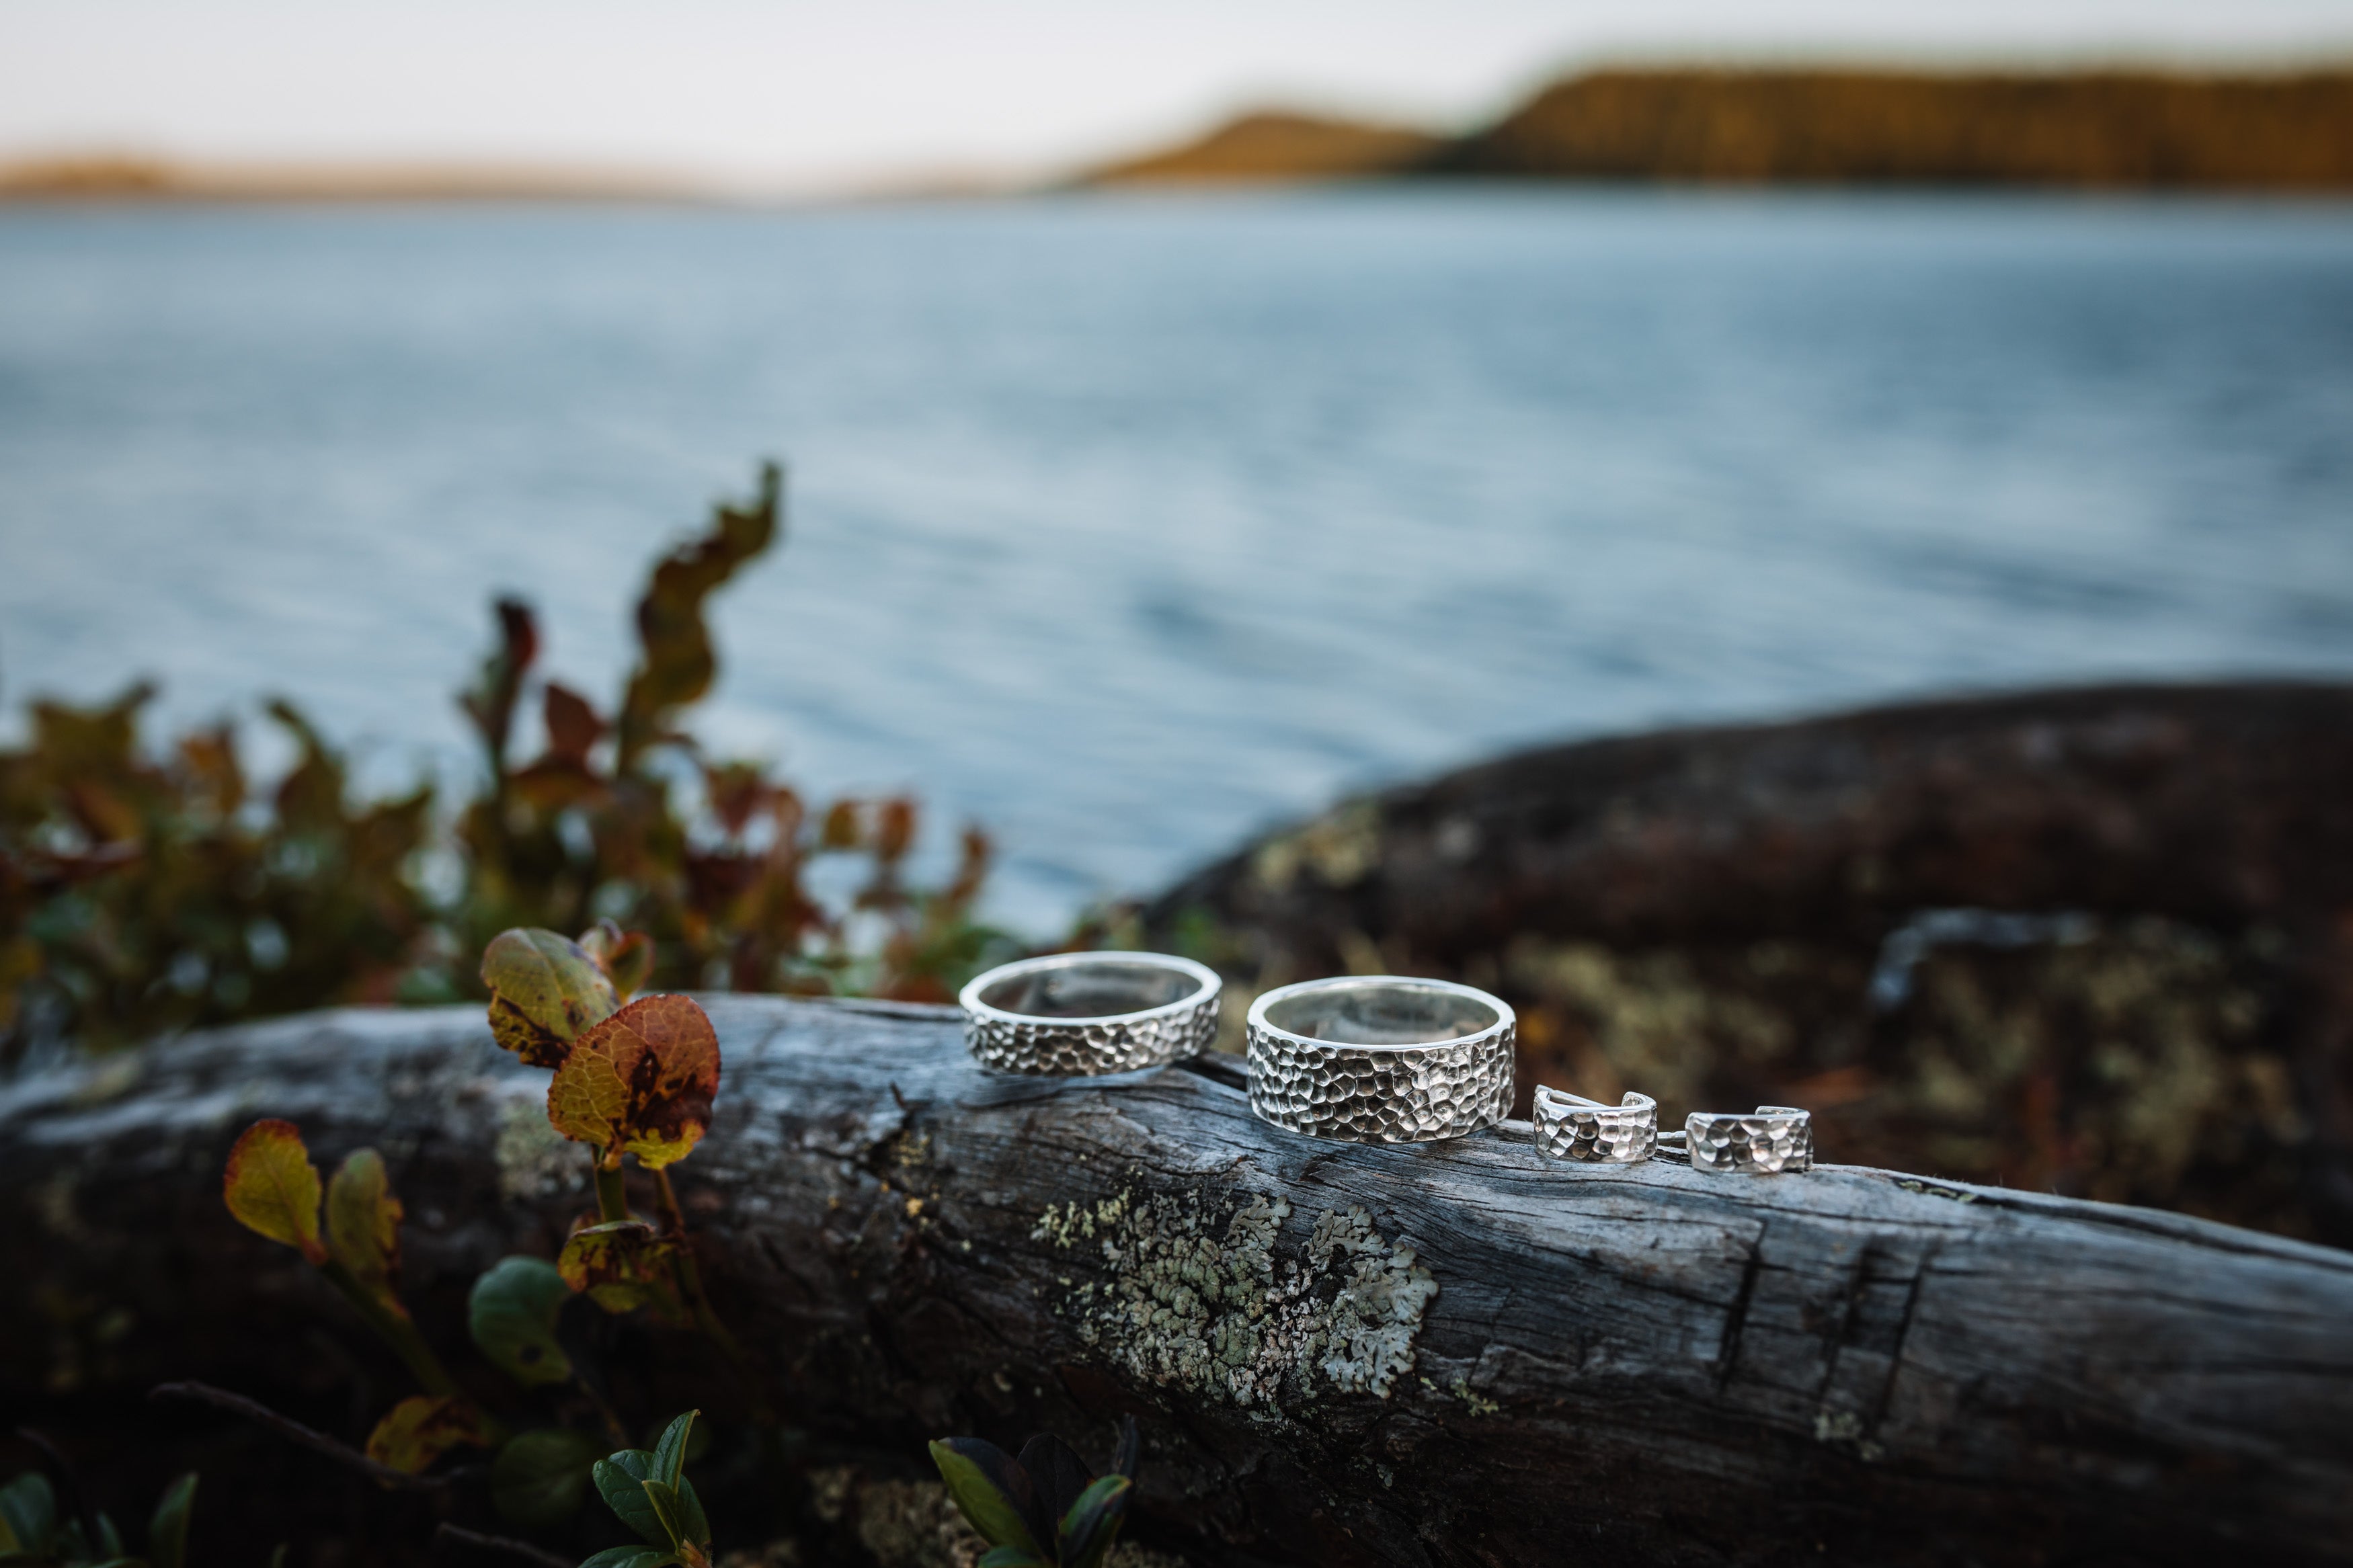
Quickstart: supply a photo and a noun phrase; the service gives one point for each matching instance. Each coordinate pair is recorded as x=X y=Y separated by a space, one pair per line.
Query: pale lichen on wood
x=1192 y=1290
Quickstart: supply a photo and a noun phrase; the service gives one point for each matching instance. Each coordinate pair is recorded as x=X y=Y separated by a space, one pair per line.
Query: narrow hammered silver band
x=1571 y=1127
x=1769 y=1141
x=1084 y=1013
x=1381 y=1060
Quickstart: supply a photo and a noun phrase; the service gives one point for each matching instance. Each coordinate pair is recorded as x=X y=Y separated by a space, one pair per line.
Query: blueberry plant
x=648 y=1491
x=37 y=1533
x=1044 y=1509
x=631 y=1078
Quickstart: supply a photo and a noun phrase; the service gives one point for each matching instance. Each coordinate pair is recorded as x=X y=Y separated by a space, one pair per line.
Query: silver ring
x=1379 y=1060
x=1082 y=1013
x=1571 y=1127
x=1772 y=1139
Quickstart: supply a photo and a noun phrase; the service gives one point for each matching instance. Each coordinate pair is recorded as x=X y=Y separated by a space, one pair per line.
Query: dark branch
x=507 y=1544
x=294 y=1431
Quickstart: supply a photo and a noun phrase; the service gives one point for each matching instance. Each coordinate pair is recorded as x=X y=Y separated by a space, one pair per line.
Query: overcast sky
x=826 y=91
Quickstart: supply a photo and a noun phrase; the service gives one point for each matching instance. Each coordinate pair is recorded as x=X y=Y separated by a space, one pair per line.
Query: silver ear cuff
x=1769 y=1141
x=1571 y=1127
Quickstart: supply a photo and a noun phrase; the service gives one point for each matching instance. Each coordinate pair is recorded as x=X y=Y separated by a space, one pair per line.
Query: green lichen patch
x=1194 y=1291
x=534 y=1160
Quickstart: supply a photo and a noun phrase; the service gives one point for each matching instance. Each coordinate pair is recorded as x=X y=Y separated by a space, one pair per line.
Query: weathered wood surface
x=1445 y=1354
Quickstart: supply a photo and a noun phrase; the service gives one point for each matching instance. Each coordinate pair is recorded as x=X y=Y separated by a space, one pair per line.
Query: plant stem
x=690 y=1275
x=395 y=1330
x=612 y=1199
x=673 y=1218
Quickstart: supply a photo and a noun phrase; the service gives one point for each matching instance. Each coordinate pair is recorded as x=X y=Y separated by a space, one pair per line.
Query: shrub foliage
x=147 y=888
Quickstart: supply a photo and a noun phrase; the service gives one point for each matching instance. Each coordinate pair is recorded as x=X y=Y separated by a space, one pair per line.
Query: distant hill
x=2112 y=129
x=1277 y=147
x=2109 y=129
x=113 y=178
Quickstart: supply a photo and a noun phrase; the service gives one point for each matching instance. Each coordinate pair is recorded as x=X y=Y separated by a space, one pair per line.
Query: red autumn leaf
x=642 y=1082
x=572 y=725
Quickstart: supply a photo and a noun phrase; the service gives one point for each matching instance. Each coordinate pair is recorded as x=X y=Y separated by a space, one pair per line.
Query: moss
x=1341 y=848
x=914 y=1524
x=1195 y=1290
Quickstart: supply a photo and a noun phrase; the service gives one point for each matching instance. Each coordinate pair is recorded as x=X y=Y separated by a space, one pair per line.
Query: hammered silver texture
x=1571 y=1127
x=1381 y=1094
x=1771 y=1139
x=1085 y=1047
x=1076 y=1015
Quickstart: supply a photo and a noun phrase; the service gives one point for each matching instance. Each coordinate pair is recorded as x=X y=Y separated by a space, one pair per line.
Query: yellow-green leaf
x=626 y=957
x=422 y=1427
x=364 y=1225
x=642 y=1082
x=545 y=991
x=272 y=1188
x=991 y=1491
x=623 y=1265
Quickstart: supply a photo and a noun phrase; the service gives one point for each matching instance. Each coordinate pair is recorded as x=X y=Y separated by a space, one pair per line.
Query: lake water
x=1127 y=527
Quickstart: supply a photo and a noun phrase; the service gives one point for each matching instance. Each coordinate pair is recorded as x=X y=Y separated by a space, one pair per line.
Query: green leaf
x=545 y=990
x=670 y=1450
x=621 y=1482
x=1093 y=1523
x=1011 y=1557
x=109 y=1539
x=989 y=1488
x=540 y=1476
x=667 y=1507
x=28 y=1510
x=511 y=1314
x=698 y=1528
x=1057 y=1475
x=364 y=1225
x=167 y=1529
x=630 y=1557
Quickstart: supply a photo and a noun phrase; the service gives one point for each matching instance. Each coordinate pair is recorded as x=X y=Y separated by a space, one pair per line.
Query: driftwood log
x=2098 y=942
x=1441 y=1354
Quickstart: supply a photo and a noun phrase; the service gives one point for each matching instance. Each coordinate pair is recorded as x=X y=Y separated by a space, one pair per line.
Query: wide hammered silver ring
x=1769 y=1141
x=1379 y=1060
x=1571 y=1127
x=1083 y=1014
